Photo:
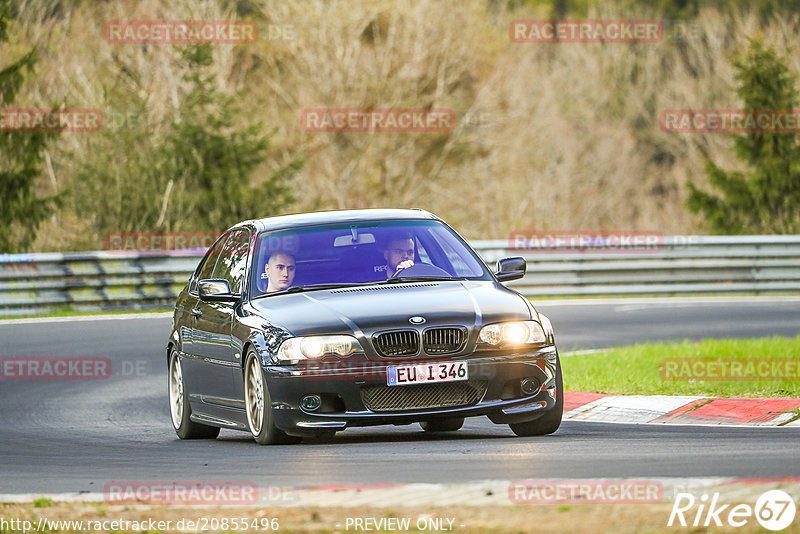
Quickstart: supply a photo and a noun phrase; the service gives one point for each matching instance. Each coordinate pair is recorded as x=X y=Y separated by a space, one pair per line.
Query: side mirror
x=216 y=290
x=511 y=268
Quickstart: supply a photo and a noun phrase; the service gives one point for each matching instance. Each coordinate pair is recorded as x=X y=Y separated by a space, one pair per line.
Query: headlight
x=313 y=347
x=512 y=333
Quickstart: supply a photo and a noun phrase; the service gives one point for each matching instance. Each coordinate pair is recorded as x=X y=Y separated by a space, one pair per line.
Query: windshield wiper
x=309 y=287
x=401 y=279
x=393 y=280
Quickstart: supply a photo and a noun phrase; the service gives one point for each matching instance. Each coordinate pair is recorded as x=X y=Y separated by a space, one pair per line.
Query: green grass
x=658 y=368
x=42 y=502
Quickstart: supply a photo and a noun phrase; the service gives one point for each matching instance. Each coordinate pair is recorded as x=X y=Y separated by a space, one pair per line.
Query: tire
x=258 y=405
x=551 y=420
x=179 y=408
x=450 y=424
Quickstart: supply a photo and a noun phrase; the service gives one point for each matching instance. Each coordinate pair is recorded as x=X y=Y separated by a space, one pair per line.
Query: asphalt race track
x=76 y=436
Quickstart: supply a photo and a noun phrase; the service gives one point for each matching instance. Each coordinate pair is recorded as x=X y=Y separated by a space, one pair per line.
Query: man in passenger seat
x=279 y=269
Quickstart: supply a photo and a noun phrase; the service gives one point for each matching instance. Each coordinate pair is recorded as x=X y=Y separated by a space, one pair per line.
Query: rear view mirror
x=360 y=239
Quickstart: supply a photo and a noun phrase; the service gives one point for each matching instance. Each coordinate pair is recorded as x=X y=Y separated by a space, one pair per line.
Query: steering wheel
x=422 y=269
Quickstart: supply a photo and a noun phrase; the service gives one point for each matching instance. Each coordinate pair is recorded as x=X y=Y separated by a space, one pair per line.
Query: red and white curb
x=680 y=409
x=481 y=493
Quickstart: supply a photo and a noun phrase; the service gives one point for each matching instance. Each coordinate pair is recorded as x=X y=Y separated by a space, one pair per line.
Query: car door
x=219 y=357
x=198 y=382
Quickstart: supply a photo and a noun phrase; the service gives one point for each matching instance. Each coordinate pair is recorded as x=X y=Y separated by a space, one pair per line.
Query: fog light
x=529 y=386
x=311 y=403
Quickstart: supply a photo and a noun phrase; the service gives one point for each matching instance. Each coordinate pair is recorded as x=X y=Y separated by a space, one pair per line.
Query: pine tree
x=214 y=158
x=190 y=174
x=766 y=200
x=21 y=155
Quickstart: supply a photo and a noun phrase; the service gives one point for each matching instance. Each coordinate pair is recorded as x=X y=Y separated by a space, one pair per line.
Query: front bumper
x=342 y=385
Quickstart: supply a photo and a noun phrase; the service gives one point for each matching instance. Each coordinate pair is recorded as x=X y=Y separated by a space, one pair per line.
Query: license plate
x=423 y=373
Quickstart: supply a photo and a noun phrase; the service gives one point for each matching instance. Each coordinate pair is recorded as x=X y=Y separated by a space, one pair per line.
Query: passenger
x=279 y=269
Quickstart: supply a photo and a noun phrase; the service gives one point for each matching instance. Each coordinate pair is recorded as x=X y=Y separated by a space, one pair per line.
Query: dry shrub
x=570 y=137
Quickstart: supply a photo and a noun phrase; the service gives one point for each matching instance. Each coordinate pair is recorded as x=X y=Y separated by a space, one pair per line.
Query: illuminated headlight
x=313 y=347
x=512 y=333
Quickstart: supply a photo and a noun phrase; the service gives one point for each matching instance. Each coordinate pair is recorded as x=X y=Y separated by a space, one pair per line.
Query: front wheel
x=179 y=408
x=551 y=420
x=258 y=405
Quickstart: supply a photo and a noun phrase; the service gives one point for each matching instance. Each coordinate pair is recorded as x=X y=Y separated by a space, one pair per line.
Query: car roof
x=337 y=216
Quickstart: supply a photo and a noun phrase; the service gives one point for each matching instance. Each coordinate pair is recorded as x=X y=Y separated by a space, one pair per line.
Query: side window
x=233 y=260
x=208 y=263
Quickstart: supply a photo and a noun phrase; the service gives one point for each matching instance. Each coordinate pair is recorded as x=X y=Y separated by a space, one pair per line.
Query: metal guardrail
x=91 y=281
x=31 y=283
x=678 y=265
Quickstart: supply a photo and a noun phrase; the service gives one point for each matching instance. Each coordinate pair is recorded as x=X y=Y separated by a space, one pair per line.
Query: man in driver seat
x=398 y=253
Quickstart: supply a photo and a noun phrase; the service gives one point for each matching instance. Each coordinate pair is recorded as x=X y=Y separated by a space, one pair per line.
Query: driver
x=279 y=269
x=398 y=253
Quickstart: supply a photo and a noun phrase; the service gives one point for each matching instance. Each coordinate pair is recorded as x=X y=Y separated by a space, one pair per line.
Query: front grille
x=399 y=343
x=445 y=395
x=444 y=340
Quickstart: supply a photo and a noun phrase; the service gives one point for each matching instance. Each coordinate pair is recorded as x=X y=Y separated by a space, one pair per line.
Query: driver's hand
x=403 y=265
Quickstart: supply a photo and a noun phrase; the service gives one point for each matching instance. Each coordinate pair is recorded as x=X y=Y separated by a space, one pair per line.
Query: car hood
x=367 y=309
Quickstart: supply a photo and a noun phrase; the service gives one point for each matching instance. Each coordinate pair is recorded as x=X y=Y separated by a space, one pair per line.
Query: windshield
x=359 y=253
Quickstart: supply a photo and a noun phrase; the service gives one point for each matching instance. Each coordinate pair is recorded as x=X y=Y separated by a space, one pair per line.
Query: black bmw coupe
x=304 y=325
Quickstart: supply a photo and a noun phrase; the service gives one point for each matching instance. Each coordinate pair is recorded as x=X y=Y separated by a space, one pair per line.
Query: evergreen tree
x=214 y=160
x=766 y=200
x=191 y=174
x=21 y=155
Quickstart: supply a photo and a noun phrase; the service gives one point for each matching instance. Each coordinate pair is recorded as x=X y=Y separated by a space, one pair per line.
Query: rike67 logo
x=774 y=510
